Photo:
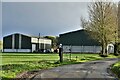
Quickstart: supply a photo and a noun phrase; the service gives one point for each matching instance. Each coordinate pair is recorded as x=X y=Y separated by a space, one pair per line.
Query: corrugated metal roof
x=27 y=35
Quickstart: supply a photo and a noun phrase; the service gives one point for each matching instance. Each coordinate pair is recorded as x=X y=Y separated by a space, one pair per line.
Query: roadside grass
x=16 y=63
x=116 y=68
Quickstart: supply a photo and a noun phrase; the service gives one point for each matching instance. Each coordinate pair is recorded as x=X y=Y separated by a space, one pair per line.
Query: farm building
x=24 y=43
x=80 y=41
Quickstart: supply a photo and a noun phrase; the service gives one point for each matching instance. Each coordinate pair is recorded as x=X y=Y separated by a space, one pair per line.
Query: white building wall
x=34 y=40
x=45 y=41
x=33 y=47
x=20 y=38
x=87 y=49
x=13 y=41
x=110 y=48
x=41 y=41
x=17 y=50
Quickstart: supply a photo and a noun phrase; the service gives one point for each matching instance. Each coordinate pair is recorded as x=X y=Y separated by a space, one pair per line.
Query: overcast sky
x=47 y=18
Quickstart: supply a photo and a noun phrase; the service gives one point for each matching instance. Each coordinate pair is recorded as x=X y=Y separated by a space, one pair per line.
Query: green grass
x=15 y=63
x=13 y=58
x=116 y=68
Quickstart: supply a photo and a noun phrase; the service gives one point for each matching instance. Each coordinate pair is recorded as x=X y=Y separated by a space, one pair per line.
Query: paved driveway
x=88 y=70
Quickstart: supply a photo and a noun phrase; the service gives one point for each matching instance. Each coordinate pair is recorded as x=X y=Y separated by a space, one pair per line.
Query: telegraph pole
x=39 y=42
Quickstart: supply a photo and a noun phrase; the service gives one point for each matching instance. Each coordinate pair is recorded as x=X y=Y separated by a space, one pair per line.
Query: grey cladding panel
x=16 y=41
x=77 y=38
x=26 y=42
x=48 y=46
x=7 y=42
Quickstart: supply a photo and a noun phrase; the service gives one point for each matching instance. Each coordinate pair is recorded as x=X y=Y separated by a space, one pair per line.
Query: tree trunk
x=104 y=48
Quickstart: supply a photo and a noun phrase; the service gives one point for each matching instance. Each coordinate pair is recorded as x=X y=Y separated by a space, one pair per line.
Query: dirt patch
x=29 y=75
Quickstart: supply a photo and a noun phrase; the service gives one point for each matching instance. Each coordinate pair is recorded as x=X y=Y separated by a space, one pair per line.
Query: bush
x=116 y=54
x=116 y=68
x=103 y=55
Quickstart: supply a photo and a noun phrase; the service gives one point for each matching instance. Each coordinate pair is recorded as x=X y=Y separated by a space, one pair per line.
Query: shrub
x=116 y=68
x=103 y=55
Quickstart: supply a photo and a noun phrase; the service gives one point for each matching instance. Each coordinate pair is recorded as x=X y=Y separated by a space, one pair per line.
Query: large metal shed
x=79 y=41
x=24 y=43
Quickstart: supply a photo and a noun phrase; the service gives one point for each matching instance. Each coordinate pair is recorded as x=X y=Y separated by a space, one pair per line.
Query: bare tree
x=84 y=22
x=103 y=22
x=119 y=20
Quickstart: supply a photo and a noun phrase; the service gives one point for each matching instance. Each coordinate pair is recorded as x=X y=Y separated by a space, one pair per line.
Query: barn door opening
x=33 y=47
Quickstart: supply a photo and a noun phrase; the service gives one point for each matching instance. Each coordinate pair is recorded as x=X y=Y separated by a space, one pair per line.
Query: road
x=89 y=70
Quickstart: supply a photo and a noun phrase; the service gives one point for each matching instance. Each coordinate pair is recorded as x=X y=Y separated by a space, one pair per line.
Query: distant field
x=15 y=63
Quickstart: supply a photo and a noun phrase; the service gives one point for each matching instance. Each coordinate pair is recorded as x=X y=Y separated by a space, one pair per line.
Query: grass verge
x=116 y=69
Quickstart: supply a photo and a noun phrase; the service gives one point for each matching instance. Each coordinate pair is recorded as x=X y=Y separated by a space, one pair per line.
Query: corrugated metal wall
x=22 y=43
x=83 y=49
x=26 y=42
x=17 y=43
x=78 y=38
x=7 y=42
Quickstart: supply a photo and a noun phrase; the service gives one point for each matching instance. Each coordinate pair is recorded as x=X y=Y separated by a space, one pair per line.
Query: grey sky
x=48 y=18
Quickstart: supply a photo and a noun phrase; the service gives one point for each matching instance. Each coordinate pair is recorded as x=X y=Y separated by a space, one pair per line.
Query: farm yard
x=15 y=63
x=98 y=34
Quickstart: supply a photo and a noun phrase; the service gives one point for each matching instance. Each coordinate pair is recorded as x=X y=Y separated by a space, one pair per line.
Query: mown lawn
x=15 y=63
